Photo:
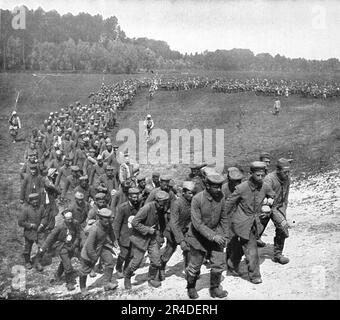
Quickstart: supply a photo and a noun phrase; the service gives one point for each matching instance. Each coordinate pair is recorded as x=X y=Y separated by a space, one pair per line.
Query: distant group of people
x=82 y=198
x=285 y=88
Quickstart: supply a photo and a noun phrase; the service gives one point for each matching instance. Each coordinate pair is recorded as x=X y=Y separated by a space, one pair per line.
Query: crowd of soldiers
x=82 y=198
x=270 y=87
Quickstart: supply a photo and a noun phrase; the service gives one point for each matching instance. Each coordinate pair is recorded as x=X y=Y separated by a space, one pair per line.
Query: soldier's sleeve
x=59 y=177
x=174 y=223
x=22 y=219
x=23 y=189
x=90 y=244
x=51 y=238
x=196 y=219
x=117 y=224
x=67 y=185
x=139 y=218
x=224 y=222
x=232 y=201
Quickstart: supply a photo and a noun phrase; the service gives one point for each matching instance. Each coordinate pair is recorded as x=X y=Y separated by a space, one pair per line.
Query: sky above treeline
x=294 y=28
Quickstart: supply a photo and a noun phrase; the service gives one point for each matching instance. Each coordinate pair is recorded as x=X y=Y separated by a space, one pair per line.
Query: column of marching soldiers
x=81 y=199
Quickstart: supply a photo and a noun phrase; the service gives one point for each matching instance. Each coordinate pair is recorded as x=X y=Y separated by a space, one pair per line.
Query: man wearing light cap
x=245 y=206
x=97 y=246
x=196 y=177
x=147 y=234
x=177 y=228
x=279 y=181
x=64 y=239
x=207 y=235
x=84 y=187
x=125 y=212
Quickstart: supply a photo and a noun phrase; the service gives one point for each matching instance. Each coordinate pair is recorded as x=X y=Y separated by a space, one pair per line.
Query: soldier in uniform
x=147 y=234
x=109 y=179
x=71 y=182
x=245 y=206
x=64 y=239
x=120 y=196
x=84 y=187
x=31 y=218
x=154 y=181
x=196 y=177
x=125 y=213
x=235 y=176
x=279 y=181
x=208 y=235
x=95 y=247
x=33 y=183
x=177 y=228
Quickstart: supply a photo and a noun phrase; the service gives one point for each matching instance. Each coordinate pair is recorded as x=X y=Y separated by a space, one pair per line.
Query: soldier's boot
x=216 y=290
x=232 y=269
x=69 y=282
x=28 y=264
x=37 y=261
x=82 y=285
x=260 y=243
x=278 y=248
x=119 y=267
x=127 y=278
x=107 y=280
x=161 y=275
x=152 y=277
x=59 y=273
x=191 y=286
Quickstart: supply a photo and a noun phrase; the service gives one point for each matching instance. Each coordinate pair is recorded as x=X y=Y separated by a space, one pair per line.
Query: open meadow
x=306 y=130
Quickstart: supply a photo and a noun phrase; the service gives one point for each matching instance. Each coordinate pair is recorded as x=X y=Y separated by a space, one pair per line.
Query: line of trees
x=83 y=42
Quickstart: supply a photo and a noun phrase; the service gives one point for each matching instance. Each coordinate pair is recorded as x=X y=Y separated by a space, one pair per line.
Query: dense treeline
x=55 y=42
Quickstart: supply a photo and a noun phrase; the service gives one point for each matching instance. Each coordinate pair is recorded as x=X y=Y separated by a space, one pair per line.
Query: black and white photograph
x=171 y=150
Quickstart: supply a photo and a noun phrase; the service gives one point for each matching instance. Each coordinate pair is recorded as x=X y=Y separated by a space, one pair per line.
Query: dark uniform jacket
x=119 y=198
x=208 y=218
x=31 y=215
x=180 y=218
x=96 y=241
x=120 y=225
x=248 y=200
x=57 y=238
x=147 y=217
x=32 y=184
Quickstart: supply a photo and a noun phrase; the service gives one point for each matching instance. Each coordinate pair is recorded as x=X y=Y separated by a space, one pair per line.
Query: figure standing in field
x=277 y=107
x=14 y=125
x=148 y=124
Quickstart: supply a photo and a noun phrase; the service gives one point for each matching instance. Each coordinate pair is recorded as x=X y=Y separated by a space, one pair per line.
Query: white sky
x=292 y=28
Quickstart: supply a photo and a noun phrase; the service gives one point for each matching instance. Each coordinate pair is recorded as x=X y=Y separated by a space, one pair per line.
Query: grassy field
x=307 y=130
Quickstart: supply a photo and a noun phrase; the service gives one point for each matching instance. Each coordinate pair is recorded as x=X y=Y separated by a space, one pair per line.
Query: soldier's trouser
x=264 y=222
x=169 y=250
x=234 y=251
x=29 y=243
x=106 y=258
x=65 y=257
x=279 y=241
x=250 y=251
x=196 y=258
x=138 y=255
x=124 y=257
